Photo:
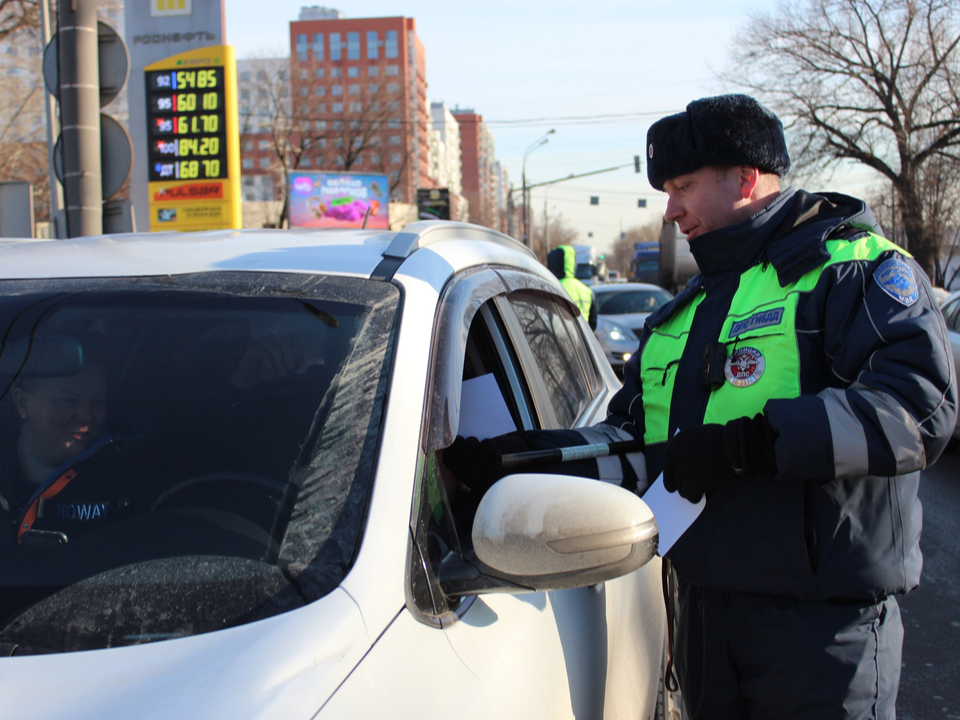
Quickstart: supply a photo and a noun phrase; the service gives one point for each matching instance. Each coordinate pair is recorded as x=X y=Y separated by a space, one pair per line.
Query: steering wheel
x=260 y=482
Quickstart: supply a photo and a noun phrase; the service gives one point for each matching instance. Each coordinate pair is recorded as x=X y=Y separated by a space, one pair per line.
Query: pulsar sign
x=194 y=148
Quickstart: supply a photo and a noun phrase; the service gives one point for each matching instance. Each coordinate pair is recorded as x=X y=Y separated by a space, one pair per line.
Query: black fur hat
x=721 y=130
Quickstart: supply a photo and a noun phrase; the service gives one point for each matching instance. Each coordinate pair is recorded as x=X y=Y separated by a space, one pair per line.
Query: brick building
x=484 y=181
x=359 y=90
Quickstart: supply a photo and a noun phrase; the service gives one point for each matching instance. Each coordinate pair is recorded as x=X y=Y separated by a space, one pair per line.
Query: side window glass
x=553 y=336
x=446 y=509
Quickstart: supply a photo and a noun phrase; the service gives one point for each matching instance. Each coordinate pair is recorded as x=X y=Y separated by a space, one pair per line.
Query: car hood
x=286 y=666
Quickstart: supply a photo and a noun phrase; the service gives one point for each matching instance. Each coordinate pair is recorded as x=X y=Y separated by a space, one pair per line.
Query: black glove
x=700 y=459
x=478 y=464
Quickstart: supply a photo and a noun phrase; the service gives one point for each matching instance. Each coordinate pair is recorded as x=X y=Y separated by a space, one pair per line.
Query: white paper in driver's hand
x=674 y=514
x=483 y=411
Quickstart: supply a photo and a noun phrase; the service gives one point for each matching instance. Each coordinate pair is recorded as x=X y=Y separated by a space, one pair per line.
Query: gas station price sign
x=187 y=124
x=193 y=141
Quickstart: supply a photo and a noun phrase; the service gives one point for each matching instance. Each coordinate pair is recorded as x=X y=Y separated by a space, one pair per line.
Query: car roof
x=345 y=252
x=620 y=287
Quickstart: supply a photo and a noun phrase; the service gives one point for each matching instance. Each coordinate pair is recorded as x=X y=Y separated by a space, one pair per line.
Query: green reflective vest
x=758 y=338
x=579 y=293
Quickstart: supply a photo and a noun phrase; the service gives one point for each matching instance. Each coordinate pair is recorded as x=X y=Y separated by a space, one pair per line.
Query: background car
x=622 y=309
x=951 y=313
x=295 y=547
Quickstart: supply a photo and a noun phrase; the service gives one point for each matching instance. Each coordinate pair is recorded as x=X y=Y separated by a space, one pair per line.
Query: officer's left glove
x=700 y=459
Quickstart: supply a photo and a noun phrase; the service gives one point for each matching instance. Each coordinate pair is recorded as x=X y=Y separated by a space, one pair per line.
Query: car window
x=207 y=444
x=551 y=333
x=445 y=509
x=630 y=301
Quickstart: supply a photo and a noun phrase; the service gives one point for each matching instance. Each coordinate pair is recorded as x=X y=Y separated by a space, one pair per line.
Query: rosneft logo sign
x=192 y=191
x=166 y=8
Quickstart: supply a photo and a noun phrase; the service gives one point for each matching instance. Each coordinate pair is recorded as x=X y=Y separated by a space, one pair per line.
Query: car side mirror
x=537 y=532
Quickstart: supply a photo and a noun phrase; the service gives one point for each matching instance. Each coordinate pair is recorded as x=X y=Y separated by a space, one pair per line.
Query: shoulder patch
x=896 y=279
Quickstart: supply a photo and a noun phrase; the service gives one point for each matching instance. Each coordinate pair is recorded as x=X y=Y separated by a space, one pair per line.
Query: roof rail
x=421 y=234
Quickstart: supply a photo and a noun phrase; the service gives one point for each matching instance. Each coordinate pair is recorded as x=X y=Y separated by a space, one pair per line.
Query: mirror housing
x=538 y=532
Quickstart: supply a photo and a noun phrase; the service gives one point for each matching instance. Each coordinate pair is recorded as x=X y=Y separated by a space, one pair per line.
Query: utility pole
x=546 y=226
x=57 y=218
x=80 y=116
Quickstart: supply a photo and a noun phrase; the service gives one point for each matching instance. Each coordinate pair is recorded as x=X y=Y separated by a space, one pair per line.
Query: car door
x=568 y=369
x=536 y=654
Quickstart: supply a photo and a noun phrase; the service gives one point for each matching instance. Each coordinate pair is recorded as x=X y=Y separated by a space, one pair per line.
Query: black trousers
x=741 y=656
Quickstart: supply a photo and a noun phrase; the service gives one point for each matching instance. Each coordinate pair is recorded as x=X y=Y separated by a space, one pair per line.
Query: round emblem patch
x=744 y=366
x=650 y=151
x=896 y=279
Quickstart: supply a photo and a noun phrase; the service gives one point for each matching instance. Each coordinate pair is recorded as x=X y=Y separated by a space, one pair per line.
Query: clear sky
x=599 y=73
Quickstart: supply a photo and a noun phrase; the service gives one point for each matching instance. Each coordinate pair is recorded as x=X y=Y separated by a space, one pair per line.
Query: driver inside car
x=63 y=469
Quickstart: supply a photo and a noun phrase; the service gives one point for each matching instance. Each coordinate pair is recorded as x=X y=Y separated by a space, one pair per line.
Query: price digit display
x=185 y=121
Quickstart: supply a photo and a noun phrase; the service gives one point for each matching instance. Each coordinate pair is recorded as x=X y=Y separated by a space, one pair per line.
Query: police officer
x=801 y=382
x=562 y=262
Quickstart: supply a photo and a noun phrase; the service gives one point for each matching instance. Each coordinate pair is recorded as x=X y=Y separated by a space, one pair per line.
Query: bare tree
x=365 y=128
x=23 y=147
x=17 y=16
x=876 y=82
x=544 y=237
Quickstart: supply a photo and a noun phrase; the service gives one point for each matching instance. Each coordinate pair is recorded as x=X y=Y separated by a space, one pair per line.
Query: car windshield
x=623 y=302
x=180 y=455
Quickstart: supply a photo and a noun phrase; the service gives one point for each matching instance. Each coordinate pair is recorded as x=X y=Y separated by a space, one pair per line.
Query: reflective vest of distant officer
x=562 y=262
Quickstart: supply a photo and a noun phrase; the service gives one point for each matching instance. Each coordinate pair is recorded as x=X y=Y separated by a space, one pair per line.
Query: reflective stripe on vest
x=759 y=332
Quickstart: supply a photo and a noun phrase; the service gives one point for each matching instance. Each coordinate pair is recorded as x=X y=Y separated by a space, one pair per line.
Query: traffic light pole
x=80 y=116
x=574 y=177
x=57 y=218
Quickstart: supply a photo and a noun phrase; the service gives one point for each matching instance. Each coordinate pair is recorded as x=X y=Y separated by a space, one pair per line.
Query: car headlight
x=615 y=332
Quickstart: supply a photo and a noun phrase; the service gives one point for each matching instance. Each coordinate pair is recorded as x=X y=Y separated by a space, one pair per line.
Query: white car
x=286 y=542
x=622 y=309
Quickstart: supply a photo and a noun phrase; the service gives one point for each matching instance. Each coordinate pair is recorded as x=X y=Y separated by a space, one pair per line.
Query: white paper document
x=674 y=514
x=483 y=411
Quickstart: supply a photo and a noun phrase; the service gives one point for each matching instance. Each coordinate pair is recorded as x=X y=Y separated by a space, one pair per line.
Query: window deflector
x=457 y=308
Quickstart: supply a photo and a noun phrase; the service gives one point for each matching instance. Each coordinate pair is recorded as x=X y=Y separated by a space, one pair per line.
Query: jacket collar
x=737 y=247
x=790 y=233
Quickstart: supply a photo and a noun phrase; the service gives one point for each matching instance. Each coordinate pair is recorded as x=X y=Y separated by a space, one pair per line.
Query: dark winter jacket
x=876 y=404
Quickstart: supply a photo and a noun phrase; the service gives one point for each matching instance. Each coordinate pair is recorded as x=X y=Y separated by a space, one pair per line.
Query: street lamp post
x=526 y=200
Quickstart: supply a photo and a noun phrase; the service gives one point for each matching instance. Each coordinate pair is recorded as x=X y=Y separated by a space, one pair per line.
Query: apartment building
x=481 y=179
x=359 y=92
x=263 y=87
x=445 y=158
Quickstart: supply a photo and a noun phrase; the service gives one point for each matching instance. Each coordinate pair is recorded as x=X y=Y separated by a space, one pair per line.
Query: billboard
x=433 y=204
x=338 y=200
x=193 y=143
